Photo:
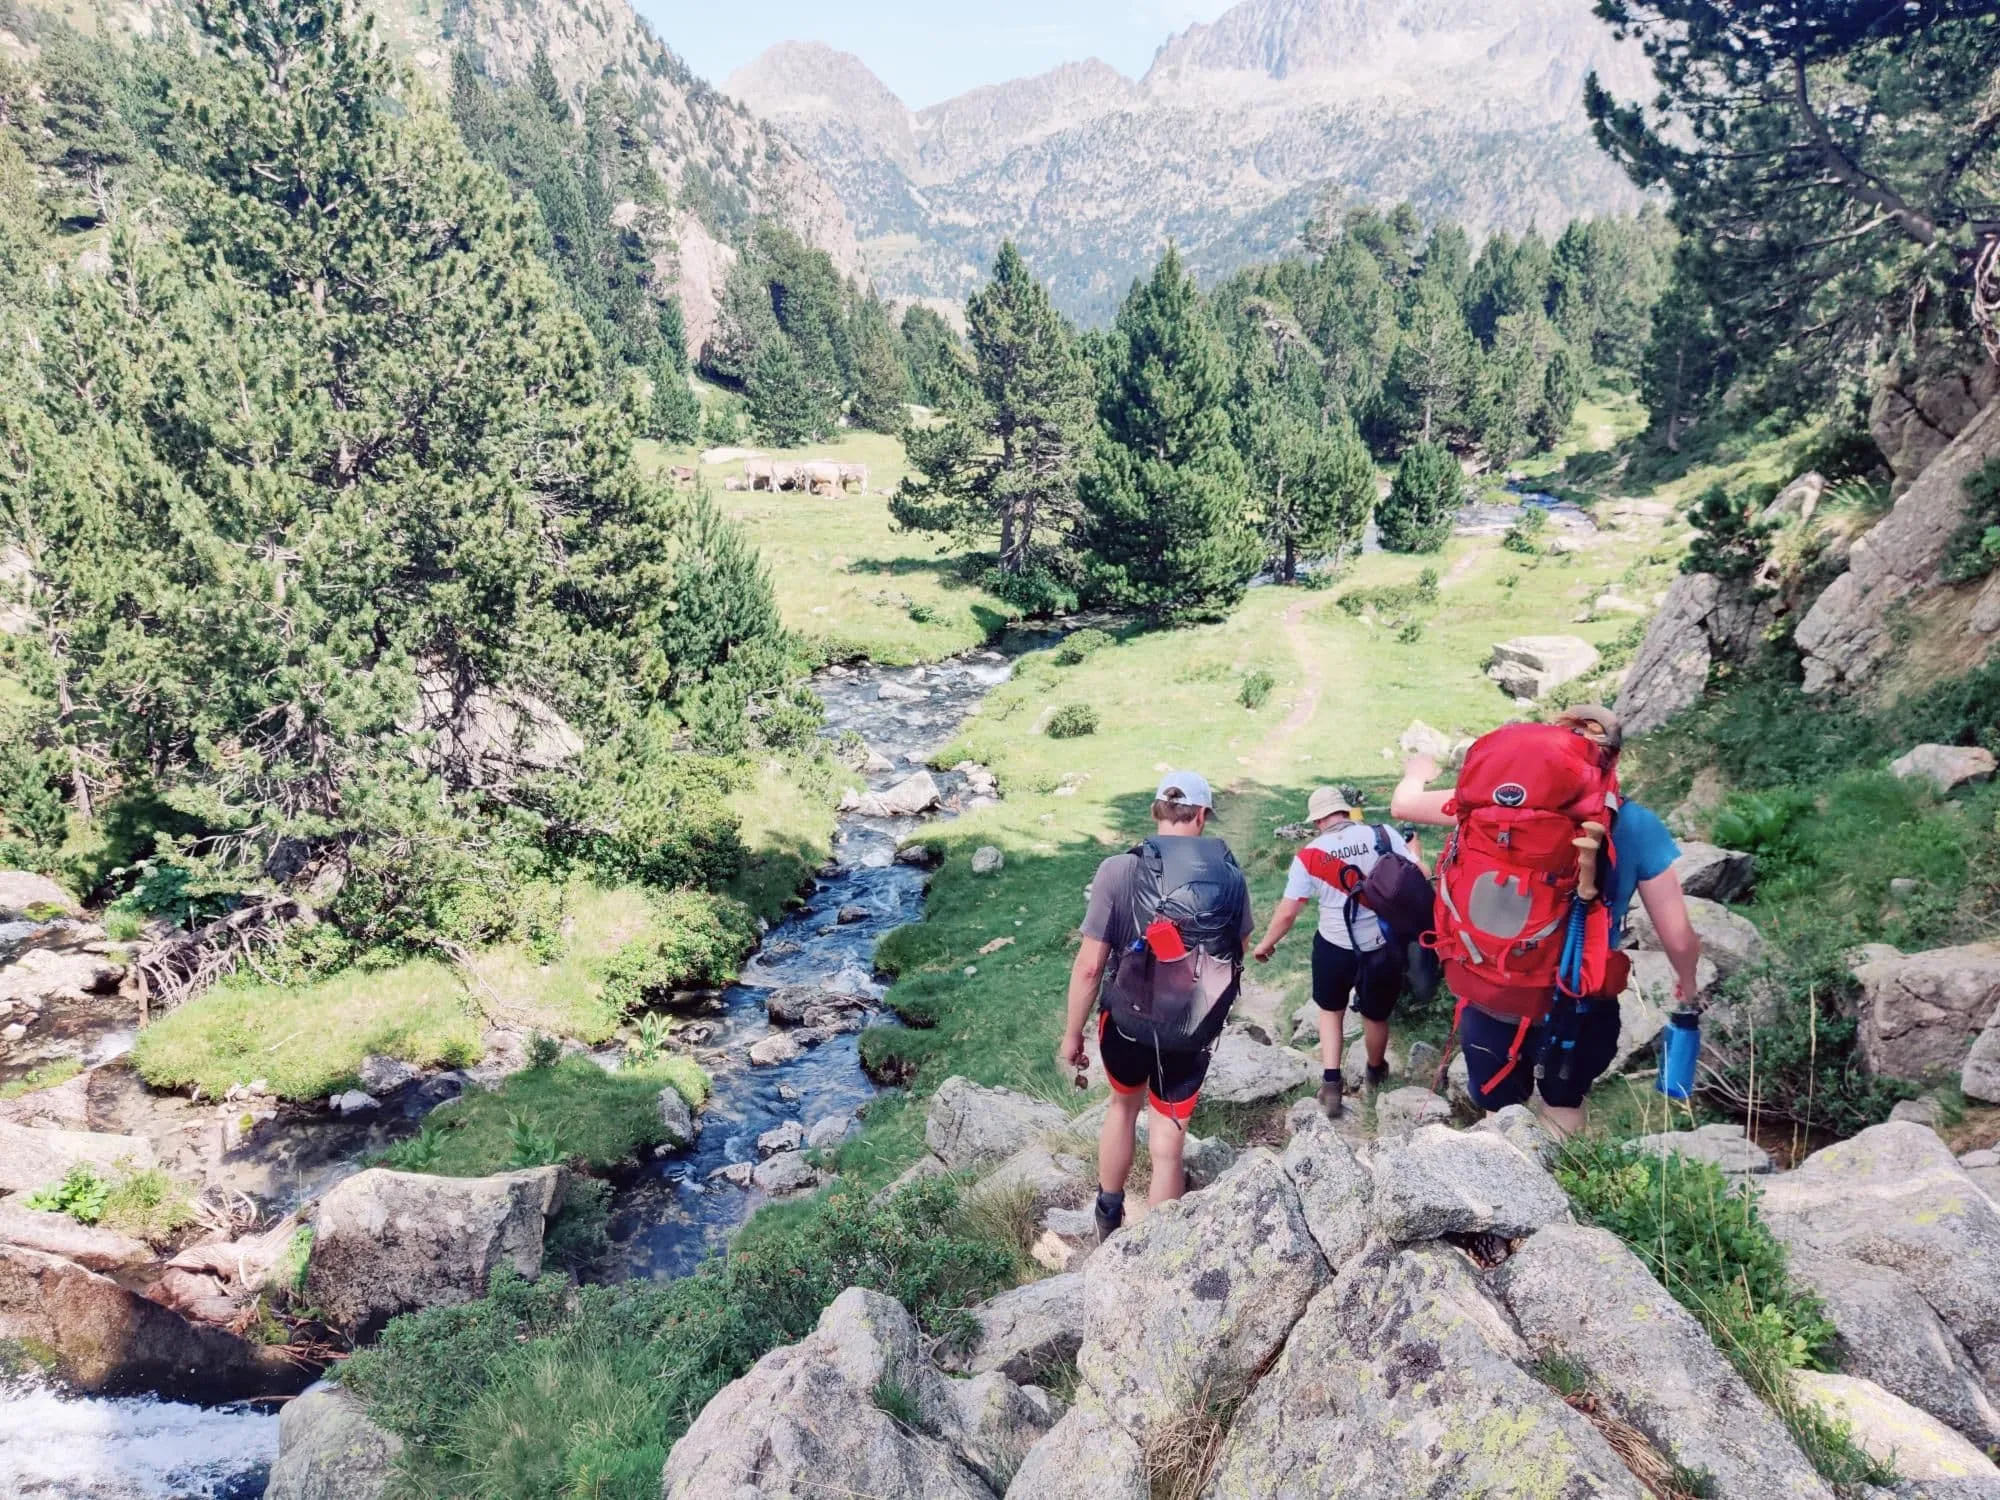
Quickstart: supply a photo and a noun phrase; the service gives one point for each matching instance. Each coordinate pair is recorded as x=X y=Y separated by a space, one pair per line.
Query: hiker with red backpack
x=1162 y=960
x=1537 y=875
x=1367 y=885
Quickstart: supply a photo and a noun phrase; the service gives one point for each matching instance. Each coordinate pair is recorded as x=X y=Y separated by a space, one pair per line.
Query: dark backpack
x=1398 y=891
x=1194 y=884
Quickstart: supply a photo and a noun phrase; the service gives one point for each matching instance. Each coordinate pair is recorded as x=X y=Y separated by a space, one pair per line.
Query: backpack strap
x=1382 y=845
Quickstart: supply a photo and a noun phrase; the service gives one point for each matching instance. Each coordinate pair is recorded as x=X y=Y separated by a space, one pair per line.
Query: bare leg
x=1164 y=1140
x=1332 y=1037
x=1114 y=1141
x=1376 y=1034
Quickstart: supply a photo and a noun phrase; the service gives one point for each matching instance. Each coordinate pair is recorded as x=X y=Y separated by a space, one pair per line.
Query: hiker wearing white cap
x=1352 y=957
x=1161 y=959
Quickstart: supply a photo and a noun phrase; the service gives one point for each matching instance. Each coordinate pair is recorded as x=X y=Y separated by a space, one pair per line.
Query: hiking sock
x=1110 y=1214
x=1378 y=1074
x=1329 y=1075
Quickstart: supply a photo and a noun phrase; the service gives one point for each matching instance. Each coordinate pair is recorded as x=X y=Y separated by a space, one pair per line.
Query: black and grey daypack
x=1195 y=885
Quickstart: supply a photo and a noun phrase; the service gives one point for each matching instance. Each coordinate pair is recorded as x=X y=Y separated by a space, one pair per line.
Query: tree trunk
x=1291 y=561
x=1428 y=402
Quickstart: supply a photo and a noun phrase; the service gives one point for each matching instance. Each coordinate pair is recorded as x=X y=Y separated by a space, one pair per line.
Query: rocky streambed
x=781 y=1046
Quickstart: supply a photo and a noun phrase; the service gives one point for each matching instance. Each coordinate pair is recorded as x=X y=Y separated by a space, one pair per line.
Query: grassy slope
x=845 y=578
x=1345 y=691
x=307 y=1040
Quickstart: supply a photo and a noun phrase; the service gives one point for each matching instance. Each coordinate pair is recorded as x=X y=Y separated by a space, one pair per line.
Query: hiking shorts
x=1373 y=978
x=1487 y=1039
x=1172 y=1080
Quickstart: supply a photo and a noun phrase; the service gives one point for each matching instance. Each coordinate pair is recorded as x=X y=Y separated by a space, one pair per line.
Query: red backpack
x=1507 y=881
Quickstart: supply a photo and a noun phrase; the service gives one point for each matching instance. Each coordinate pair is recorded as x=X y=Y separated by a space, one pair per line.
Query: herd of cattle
x=769 y=474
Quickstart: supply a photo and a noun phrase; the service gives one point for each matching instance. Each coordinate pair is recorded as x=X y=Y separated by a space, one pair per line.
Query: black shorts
x=1172 y=1080
x=1374 y=978
x=1487 y=1039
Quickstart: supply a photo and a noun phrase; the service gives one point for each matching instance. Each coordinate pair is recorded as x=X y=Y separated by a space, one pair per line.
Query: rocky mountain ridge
x=720 y=166
x=1470 y=111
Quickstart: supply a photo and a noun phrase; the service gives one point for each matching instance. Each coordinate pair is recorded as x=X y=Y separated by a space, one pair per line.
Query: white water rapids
x=55 y=1447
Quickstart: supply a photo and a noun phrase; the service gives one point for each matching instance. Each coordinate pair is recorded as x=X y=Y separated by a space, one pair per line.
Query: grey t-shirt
x=1108 y=918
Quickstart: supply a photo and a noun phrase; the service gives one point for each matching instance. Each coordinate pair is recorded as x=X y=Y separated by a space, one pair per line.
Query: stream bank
x=666 y=1217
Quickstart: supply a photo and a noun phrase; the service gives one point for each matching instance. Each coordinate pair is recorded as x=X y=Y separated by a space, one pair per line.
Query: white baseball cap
x=1186 y=788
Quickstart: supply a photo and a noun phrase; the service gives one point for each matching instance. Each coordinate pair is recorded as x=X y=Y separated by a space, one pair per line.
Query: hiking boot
x=1332 y=1097
x=1378 y=1074
x=1110 y=1215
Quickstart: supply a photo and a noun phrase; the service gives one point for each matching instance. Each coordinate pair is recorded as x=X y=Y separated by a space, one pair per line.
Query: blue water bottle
x=1679 y=1051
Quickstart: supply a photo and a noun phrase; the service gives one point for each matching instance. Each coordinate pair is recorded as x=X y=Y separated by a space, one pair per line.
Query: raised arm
x=1410 y=803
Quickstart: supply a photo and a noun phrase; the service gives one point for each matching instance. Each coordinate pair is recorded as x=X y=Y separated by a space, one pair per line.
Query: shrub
x=1037 y=591
x=922 y=614
x=576 y=1235
x=1732 y=543
x=793 y=720
x=1410 y=632
x=1525 y=534
x=544 y=1051
x=540 y=1389
x=1708 y=1247
x=1422 y=504
x=1084 y=643
x=1256 y=689
x=1974 y=548
x=699 y=942
x=1072 y=721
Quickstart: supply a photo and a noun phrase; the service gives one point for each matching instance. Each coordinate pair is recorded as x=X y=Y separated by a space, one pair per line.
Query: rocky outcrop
x=1184 y=1307
x=1720 y=1145
x=1884 y=1227
x=93 y=1248
x=909 y=798
x=1243 y=1070
x=100 y=1337
x=1443 y=1181
x=1398 y=1381
x=1713 y=873
x=1945 y=767
x=1334 y=1189
x=1530 y=667
x=1845 y=635
x=329 y=1450
x=1921 y=1013
x=392 y=1242
x=968 y=1125
x=1028 y=1333
x=1583 y=1295
x=1893 y=1432
x=1731 y=942
x=856 y=1409
x=31 y=1157
x=1915 y=415
x=1703 y=620
x=1086 y=1456
x=25 y=896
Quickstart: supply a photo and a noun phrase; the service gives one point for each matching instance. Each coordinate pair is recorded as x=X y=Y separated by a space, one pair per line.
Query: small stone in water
x=737 y=1174
x=789 y=1094
x=786 y=1137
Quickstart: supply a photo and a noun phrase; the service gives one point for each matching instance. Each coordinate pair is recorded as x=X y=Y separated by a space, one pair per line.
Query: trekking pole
x=1587 y=848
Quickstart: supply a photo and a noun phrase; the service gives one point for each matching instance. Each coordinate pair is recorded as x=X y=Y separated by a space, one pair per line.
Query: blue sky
x=928 y=50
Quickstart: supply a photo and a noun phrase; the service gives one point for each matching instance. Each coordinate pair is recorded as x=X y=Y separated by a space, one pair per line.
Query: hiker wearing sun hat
x=1161 y=958
x=1356 y=957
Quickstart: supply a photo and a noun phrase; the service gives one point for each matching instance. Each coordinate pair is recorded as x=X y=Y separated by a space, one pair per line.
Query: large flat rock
x=32 y=1157
x=1582 y=1294
x=1184 y=1307
x=1443 y=1181
x=392 y=1242
x=1922 y=1013
x=970 y=1125
x=1895 y=1199
x=1247 y=1071
x=1405 y=1379
x=1530 y=667
x=100 y=1337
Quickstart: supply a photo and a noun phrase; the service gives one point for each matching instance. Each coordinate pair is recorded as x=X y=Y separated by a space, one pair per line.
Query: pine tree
x=673 y=334
x=939 y=366
x=784 y=407
x=1562 y=392
x=1164 y=519
x=881 y=382
x=674 y=412
x=290 y=542
x=1312 y=489
x=1004 y=468
x=542 y=81
x=1421 y=507
x=1430 y=376
x=1687 y=359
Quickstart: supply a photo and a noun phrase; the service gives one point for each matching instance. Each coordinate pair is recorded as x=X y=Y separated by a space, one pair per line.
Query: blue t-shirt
x=1642 y=849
